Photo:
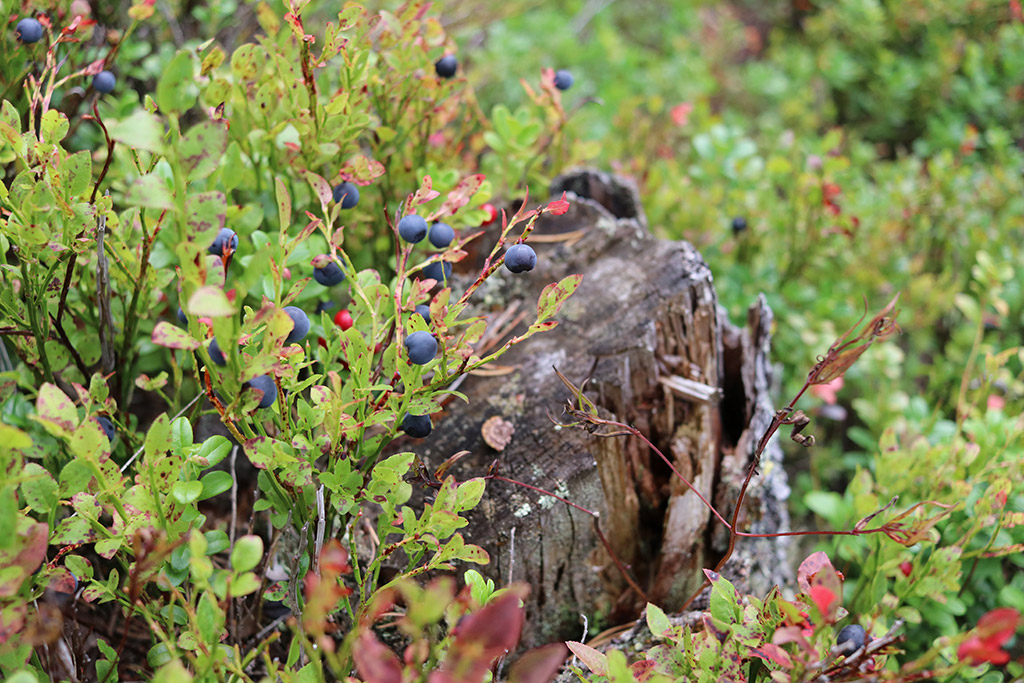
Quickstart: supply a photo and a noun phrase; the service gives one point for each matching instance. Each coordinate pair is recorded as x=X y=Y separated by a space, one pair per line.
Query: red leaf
x=985 y=642
x=824 y=599
x=538 y=665
x=559 y=207
x=495 y=628
x=375 y=662
x=809 y=567
x=774 y=653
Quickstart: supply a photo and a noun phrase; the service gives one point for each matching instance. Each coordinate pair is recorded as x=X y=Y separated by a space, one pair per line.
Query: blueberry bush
x=189 y=189
x=169 y=241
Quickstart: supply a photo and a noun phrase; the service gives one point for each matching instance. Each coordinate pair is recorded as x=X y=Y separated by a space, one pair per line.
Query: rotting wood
x=646 y=329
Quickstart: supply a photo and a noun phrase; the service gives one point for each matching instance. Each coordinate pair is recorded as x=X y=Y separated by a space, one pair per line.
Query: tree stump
x=645 y=328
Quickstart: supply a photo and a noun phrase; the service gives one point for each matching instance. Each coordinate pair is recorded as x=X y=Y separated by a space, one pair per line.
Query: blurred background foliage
x=870 y=146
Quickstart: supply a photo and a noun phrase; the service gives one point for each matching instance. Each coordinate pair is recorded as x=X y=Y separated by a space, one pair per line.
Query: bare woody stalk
x=836 y=361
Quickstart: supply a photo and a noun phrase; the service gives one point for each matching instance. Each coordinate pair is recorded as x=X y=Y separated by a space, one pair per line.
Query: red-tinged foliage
x=492 y=213
x=375 y=663
x=773 y=653
x=984 y=643
x=825 y=600
x=559 y=207
x=539 y=664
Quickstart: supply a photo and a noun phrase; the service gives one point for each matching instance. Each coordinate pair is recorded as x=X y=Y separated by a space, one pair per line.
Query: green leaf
x=181 y=434
x=150 y=191
x=657 y=621
x=54 y=126
x=723 y=598
x=202 y=147
x=556 y=294
x=214 y=449
x=215 y=483
x=38 y=488
x=186 y=492
x=76 y=170
x=141 y=130
x=176 y=90
x=210 y=302
x=158 y=438
x=210 y=619
x=55 y=410
x=173 y=337
x=284 y=205
x=245 y=584
x=206 y=213
x=247 y=553
x=217 y=541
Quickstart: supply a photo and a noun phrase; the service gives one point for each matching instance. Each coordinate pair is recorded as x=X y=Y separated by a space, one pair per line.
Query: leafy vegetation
x=820 y=153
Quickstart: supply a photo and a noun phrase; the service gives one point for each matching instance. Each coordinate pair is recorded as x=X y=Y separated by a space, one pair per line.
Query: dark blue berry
x=347 y=194
x=446 y=66
x=108 y=426
x=563 y=79
x=421 y=347
x=441 y=235
x=300 y=327
x=182 y=318
x=104 y=82
x=28 y=30
x=264 y=383
x=739 y=224
x=322 y=306
x=225 y=237
x=330 y=275
x=216 y=355
x=520 y=258
x=417 y=426
x=424 y=312
x=438 y=270
x=412 y=228
x=850 y=639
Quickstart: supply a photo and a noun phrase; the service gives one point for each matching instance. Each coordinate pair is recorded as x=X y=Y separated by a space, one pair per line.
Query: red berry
x=322 y=342
x=906 y=568
x=492 y=213
x=343 y=319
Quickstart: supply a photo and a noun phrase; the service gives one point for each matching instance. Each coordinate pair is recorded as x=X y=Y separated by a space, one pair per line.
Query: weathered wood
x=646 y=329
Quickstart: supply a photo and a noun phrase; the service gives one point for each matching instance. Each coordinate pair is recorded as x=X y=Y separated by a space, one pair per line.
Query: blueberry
x=446 y=66
x=421 y=347
x=423 y=311
x=224 y=238
x=329 y=275
x=104 y=82
x=563 y=79
x=347 y=194
x=182 y=318
x=739 y=224
x=441 y=235
x=412 y=228
x=850 y=639
x=300 y=327
x=264 y=383
x=108 y=426
x=520 y=258
x=416 y=425
x=322 y=306
x=216 y=355
x=28 y=30
x=438 y=270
